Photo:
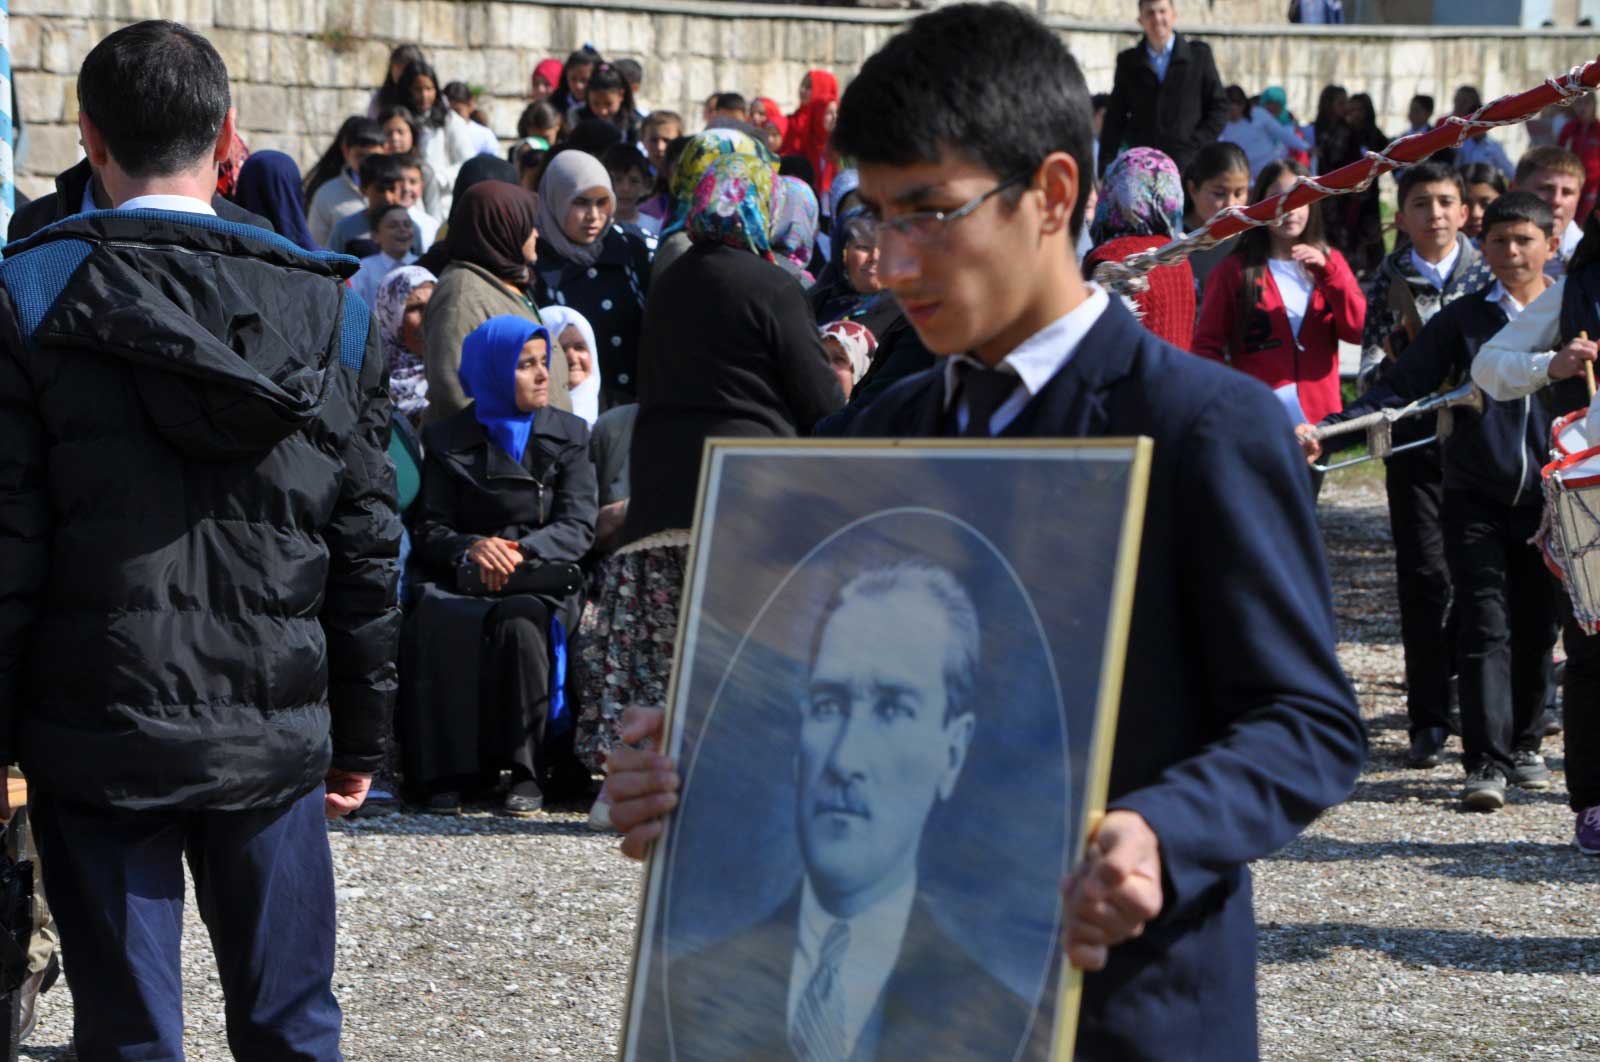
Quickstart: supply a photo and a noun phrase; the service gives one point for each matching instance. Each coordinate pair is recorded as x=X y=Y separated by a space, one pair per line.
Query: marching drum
x=1570 y=537
x=1569 y=434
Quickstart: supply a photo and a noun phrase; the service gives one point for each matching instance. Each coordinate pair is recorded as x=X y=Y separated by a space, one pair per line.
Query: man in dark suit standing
x=853 y=965
x=1236 y=725
x=1166 y=93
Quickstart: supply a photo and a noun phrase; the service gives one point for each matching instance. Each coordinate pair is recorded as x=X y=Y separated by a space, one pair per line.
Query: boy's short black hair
x=1099 y=101
x=457 y=92
x=1520 y=206
x=158 y=93
x=620 y=158
x=1425 y=102
x=1429 y=172
x=730 y=101
x=630 y=69
x=953 y=79
x=380 y=170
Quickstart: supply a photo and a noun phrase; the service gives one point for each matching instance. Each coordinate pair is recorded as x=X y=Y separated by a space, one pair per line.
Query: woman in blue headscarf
x=507 y=507
x=269 y=184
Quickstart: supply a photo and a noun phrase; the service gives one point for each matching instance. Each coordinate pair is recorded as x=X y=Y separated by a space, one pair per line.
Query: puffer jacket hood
x=197 y=515
x=231 y=379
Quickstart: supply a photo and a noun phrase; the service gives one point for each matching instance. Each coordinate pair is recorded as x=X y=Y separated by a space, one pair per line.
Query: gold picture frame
x=801 y=525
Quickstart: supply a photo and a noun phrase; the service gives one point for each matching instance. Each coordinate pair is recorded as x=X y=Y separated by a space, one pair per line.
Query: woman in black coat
x=508 y=503
x=729 y=349
x=587 y=262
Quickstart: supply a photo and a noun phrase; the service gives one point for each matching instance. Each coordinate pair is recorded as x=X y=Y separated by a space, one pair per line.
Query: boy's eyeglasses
x=928 y=227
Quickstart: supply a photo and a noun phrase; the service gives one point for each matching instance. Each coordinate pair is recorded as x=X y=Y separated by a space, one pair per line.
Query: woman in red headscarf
x=819 y=86
x=765 y=116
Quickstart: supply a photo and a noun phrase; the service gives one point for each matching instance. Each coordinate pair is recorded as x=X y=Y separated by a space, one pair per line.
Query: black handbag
x=554 y=579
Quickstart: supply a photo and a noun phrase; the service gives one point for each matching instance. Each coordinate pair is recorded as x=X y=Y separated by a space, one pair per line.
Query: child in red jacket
x=1278 y=306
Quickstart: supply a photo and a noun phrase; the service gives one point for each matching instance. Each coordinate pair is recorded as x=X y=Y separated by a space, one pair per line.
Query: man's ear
x=958 y=734
x=94 y=145
x=1059 y=179
x=225 y=136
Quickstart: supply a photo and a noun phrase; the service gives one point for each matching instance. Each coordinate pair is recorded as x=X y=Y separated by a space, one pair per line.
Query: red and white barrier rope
x=1128 y=276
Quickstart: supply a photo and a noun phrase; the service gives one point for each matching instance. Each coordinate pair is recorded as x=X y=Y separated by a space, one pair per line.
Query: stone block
x=263 y=106
x=290 y=59
x=258 y=47
x=234 y=47
x=528 y=26
x=52 y=148
x=27 y=40
x=64 y=46
x=700 y=37
x=443 y=24
x=46 y=98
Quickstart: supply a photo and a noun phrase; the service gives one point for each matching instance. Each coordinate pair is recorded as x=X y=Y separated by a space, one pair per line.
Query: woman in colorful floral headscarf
x=696 y=159
x=1141 y=195
x=1141 y=207
x=794 y=227
x=731 y=204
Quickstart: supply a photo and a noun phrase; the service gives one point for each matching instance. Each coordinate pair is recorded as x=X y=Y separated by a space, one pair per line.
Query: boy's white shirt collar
x=1035 y=361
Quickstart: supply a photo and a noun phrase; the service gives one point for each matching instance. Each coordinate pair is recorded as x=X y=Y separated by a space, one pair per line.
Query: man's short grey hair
x=961 y=657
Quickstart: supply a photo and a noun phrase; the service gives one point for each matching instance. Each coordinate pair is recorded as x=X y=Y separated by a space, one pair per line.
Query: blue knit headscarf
x=488 y=373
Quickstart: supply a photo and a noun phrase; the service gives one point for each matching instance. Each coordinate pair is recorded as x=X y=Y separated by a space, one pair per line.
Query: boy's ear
x=1060 y=178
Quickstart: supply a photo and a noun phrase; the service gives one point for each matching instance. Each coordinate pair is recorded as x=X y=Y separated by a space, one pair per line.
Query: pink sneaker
x=1587 y=837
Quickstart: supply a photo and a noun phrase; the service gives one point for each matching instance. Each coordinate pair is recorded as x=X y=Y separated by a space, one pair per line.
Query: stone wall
x=301 y=66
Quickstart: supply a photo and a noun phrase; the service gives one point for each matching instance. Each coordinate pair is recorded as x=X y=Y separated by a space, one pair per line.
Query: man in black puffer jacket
x=198 y=543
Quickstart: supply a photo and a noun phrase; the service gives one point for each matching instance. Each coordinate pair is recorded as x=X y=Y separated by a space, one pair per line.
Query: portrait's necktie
x=817 y=1033
x=985 y=390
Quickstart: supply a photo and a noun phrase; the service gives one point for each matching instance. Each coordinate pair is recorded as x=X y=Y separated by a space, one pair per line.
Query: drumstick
x=1588 y=368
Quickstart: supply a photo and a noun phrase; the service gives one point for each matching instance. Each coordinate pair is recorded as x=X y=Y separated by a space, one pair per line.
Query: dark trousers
x=1414 y=482
x=1506 y=620
x=1581 y=706
x=514 y=686
x=264 y=886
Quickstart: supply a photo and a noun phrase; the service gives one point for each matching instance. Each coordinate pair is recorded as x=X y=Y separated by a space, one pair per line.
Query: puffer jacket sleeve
x=360 y=615
x=24 y=524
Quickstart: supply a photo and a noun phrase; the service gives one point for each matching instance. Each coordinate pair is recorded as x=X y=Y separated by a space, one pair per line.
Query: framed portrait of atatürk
x=892 y=709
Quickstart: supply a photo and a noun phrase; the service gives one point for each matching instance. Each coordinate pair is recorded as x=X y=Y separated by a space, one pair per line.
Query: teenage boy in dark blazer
x=1237 y=726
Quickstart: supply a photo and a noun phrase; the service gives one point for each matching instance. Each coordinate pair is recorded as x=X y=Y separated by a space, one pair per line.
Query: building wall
x=301 y=66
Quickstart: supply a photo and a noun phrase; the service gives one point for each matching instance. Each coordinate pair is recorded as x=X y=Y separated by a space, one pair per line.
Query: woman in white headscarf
x=575 y=337
x=590 y=264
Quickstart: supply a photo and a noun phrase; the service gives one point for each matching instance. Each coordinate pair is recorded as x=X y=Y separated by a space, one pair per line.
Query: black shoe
x=1550 y=725
x=1426 y=745
x=525 y=798
x=1528 y=770
x=444 y=802
x=1485 y=789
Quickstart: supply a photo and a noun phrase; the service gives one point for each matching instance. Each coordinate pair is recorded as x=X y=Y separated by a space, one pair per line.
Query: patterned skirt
x=627 y=637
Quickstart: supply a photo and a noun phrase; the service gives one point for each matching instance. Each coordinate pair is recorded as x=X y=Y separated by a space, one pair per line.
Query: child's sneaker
x=1587 y=836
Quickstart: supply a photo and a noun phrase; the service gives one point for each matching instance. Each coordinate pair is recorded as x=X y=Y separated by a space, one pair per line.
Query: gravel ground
x=1398 y=927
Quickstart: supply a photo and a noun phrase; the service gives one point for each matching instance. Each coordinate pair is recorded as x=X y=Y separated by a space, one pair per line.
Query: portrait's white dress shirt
x=181 y=203
x=875 y=938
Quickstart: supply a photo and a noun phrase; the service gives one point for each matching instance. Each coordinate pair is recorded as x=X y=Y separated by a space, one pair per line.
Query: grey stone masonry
x=300 y=66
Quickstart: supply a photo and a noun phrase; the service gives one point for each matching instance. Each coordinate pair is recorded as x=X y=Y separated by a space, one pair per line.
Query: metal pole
x=8 y=187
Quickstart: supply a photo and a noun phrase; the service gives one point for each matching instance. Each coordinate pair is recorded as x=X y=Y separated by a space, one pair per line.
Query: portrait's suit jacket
x=730 y=1002
x=1237 y=725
